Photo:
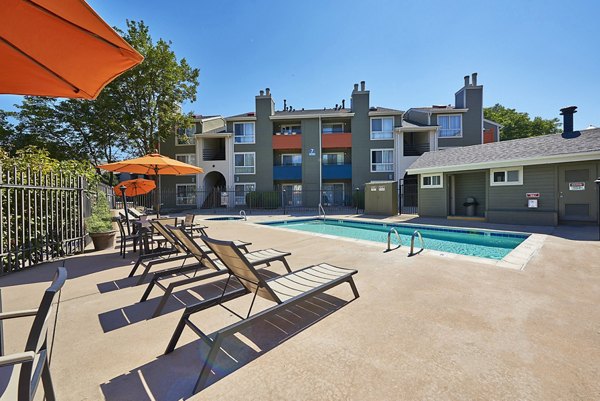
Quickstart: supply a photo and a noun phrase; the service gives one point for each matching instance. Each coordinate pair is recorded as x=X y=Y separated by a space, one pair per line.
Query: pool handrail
x=243 y=214
x=389 y=239
x=412 y=243
x=321 y=209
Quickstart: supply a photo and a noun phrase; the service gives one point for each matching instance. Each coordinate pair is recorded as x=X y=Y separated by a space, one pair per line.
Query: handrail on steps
x=389 y=240
x=243 y=214
x=412 y=243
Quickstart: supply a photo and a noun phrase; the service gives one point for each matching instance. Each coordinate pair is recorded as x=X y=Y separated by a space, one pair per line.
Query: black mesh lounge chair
x=284 y=291
x=20 y=373
x=204 y=256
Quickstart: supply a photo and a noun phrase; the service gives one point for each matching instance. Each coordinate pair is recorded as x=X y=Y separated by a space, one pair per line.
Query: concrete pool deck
x=424 y=327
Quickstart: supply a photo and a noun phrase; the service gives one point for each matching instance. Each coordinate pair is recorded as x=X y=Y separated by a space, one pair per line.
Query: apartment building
x=316 y=155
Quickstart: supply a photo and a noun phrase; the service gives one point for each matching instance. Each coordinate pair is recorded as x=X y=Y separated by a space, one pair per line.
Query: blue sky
x=535 y=56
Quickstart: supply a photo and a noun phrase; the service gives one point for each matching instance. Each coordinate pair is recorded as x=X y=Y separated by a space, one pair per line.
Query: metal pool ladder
x=389 y=242
x=412 y=243
x=321 y=210
x=243 y=214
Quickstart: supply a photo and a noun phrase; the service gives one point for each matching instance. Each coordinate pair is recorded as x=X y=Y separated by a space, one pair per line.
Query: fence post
x=80 y=214
x=283 y=200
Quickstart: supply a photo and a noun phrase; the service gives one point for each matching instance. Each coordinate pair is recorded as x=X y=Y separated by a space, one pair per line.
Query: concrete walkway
x=426 y=327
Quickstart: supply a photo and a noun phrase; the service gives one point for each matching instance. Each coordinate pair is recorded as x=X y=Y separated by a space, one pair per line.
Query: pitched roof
x=334 y=112
x=506 y=151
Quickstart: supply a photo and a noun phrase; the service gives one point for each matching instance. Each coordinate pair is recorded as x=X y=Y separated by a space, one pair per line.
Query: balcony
x=287 y=173
x=336 y=140
x=287 y=141
x=415 y=149
x=337 y=171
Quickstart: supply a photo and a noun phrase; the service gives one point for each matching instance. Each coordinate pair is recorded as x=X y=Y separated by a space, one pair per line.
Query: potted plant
x=99 y=224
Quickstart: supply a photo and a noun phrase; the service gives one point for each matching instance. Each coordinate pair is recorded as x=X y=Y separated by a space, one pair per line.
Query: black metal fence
x=408 y=196
x=41 y=217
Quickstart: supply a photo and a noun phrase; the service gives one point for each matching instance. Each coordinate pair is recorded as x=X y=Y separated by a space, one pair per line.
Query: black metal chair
x=125 y=238
x=20 y=373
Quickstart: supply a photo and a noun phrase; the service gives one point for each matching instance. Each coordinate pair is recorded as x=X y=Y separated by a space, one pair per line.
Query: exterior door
x=577 y=197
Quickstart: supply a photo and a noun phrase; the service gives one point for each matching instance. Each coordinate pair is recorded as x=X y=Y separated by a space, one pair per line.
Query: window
x=382 y=128
x=333 y=194
x=432 y=181
x=506 y=176
x=291 y=129
x=241 y=190
x=189 y=158
x=292 y=194
x=291 y=159
x=450 y=126
x=243 y=132
x=333 y=158
x=185 y=194
x=332 y=128
x=185 y=136
x=244 y=163
x=382 y=160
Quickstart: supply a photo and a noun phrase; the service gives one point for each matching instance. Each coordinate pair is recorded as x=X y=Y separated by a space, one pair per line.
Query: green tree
x=518 y=124
x=7 y=130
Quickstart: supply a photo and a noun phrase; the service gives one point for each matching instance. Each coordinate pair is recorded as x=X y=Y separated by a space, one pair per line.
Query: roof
x=325 y=112
x=414 y=124
x=303 y=112
x=534 y=150
x=439 y=109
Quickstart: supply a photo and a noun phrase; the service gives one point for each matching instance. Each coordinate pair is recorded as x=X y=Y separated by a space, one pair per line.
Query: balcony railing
x=415 y=149
x=213 y=154
x=287 y=172
x=337 y=171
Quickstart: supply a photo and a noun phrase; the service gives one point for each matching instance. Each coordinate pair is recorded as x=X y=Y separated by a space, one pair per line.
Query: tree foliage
x=129 y=117
x=518 y=124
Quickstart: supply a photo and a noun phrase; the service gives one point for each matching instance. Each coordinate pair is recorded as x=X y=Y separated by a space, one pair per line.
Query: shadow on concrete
x=173 y=377
x=141 y=311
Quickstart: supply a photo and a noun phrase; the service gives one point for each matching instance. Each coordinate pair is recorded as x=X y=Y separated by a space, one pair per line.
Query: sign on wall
x=224 y=198
x=532 y=203
x=533 y=194
x=311 y=152
x=577 y=186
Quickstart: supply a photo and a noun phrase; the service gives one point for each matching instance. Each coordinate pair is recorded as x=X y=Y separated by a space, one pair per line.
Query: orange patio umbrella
x=138 y=186
x=59 y=48
x=152 y=164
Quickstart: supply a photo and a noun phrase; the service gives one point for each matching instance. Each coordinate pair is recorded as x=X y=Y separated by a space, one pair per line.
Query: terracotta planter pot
x=103 y=240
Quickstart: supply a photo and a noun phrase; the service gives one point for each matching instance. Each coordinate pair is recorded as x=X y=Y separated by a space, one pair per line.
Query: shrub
x=263 y=200
x=101 y=220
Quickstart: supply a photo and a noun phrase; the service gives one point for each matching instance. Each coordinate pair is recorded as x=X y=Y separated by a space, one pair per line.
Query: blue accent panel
x=337 y=171
x=287 y=172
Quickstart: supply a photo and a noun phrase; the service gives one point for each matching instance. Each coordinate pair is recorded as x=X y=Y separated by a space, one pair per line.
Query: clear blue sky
x=535 y=56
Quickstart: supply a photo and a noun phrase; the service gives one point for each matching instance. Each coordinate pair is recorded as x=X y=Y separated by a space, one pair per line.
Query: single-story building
x=539 y=180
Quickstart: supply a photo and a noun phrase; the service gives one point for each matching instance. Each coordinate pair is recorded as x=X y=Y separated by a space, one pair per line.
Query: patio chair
x=20 y=373
x=285 y=291
x=125 y=238
x=204 y=258
x=188 y=223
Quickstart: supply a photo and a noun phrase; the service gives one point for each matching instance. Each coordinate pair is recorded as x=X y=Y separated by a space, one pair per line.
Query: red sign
x=533 y=194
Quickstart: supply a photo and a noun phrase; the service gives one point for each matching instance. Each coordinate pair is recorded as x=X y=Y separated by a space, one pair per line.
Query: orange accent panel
x=342 y=140
x=488 y=135
x=287 y=141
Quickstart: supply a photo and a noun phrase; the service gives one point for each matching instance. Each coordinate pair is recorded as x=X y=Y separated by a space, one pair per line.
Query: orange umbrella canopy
x=136 y=187
x=59 y=48
x=152 y=164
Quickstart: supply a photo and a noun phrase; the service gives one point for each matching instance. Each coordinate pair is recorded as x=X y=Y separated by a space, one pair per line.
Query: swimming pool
x=481 y=243
x=225 y=218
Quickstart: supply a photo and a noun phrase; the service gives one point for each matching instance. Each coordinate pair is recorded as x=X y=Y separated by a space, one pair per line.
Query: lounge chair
x=284 y=291
x=192 y=227
x=20 y=373
x=204 y=256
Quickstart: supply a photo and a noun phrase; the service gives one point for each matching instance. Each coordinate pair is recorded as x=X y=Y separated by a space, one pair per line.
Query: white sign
x=382 y=189
x=533 y=194
x=577 y=186
x=532 y=203
x=373 y=189
x=311 y=152
x=224 y=198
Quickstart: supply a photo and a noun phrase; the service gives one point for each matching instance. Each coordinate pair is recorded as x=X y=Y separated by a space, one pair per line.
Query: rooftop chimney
x=466 y=80
x=356 y=87
x=284 y=105
x=262 y=93
x=474 y=79
x=567 y=114
x=343 y=103
x=362 y=86
x=268 y=91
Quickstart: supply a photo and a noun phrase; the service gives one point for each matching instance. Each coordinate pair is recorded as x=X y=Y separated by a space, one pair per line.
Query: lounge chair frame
x=256 y=286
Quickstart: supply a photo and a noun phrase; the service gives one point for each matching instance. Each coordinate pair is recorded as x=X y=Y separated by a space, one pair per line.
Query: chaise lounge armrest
x=19 y=357
x=17 y=313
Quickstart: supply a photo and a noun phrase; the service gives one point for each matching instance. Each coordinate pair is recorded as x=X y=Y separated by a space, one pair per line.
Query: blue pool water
x=481 y=243
x=225 y=218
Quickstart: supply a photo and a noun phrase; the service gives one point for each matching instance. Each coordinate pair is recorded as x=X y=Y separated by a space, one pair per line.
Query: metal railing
x=321 y=211
x=389 y=240
x=412 y=243
x=41 y=217
x=243 y=214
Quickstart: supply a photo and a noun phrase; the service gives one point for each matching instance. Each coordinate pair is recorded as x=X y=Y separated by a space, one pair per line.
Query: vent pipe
x=284 y=105
x=567 y=114
x=466 y=80
x=362 y=86
x=356 y=87
x=474 y=79
x=268 y=91
x=262 y=93
x=343 y=103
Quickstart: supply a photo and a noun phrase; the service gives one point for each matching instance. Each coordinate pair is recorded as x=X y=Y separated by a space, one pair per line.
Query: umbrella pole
x=123 y=188
x=157 y=196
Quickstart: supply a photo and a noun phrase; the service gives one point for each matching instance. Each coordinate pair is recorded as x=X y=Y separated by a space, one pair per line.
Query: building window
x=333 y=158
x=332 y=128
x=189 y=158
x=432 y=181
x=333 y=194
x=506 y=176
x=185 y=136
x=243 y=132
x=450 y=126
x=382 y=160
x=291 y=159
x=382 y=128
x=291 y=129
x=185 y=194
x=241 y=190
x=244 y=163
x=292 y=194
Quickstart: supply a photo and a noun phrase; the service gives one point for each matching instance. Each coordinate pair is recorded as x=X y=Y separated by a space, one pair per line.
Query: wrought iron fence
x=408 y=196
x=41 y=217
